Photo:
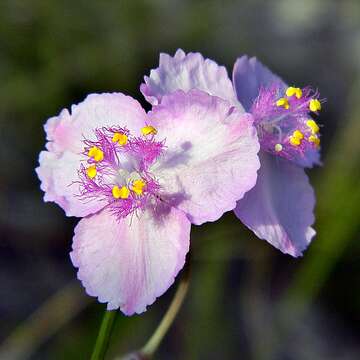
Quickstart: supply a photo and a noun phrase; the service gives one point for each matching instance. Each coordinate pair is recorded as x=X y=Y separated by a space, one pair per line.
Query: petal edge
x=186 y=72
x=129 y=263
x=279 y=209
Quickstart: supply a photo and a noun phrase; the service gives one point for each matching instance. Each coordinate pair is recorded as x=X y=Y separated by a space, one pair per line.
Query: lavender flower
x=280 y=207
x=139 y=180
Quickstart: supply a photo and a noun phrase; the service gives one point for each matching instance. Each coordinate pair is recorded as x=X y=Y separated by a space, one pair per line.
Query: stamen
x=137 y=187
x=120 y=193
x=291 y=91
x=284 y=124
x=91 y=171
x=123 y=178
x=120 y=138
x=294 y=141
x=296 y=137
x=283 y=102
x=298 y=134
x=314 y=105
x=313 y=126
x=92 y=151
x=96 y=154
x=314 y=139
x=148 y=130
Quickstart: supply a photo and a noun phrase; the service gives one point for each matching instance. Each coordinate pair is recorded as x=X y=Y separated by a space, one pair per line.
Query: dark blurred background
x=247 y=300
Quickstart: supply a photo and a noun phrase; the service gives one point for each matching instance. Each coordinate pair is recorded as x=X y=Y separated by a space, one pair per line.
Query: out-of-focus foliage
x=246 y=299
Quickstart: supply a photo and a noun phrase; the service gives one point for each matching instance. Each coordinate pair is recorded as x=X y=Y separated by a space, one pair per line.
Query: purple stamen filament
x=116 y=169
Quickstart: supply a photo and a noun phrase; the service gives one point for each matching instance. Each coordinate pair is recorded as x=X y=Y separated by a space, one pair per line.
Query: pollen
x=291 y=91
x=283 y=102
x=96 y=154
x=298 y=134
x=148 y=130
x=91 y=171
x=92 y=151
x=278 y=147
x=120 y=138
x=294 y=141
x=314 y=139
x=313 y=126
x=120 y=193
x=138 y=186
x=296 y=137
x=315 y=105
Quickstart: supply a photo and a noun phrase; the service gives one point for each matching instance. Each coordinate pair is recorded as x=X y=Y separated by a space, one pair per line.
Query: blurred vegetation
x=246 y=299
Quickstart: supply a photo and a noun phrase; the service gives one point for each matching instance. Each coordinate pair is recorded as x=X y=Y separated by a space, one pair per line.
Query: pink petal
x=248 y=77
x=280 y=207
x=128 y=263
x=66 y=131
x=211 y=153
x=58 y=166
x=186 y=72
x=58 y=173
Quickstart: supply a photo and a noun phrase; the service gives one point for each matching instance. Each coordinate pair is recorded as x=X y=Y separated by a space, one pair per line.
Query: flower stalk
x=153 y=343
x=148 y=350
x=103 y=339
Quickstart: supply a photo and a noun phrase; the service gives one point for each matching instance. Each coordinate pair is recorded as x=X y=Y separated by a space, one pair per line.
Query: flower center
x=116 y=168
x=284 y=123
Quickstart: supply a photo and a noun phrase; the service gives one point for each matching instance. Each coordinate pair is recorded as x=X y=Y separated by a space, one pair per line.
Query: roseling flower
x=139 y=180
x=280 y=207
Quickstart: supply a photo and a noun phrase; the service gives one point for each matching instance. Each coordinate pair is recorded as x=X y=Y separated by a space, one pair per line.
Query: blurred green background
x=247 y=300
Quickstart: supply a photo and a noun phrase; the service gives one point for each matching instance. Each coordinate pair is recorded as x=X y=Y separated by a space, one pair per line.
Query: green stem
x=153 y=343
x=102 y=341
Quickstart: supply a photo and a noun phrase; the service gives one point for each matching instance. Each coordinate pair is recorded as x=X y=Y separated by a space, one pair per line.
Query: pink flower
x=139 y=180
x=280 y=207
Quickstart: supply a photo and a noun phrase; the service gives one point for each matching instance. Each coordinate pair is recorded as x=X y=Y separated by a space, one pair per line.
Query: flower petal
x=248 y=77
x=58 y=174
x=128 y=263
x=280 y=207
x=185 y=72
x=211 y=153
x=65 y=133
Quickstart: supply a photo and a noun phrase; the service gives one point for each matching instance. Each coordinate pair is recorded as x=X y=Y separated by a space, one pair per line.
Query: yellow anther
x=91 y=171
x=291 y=91
x=295 y=141
x=296 y=137
x=278 y=147
x=99 y=156
x=120 y=138
x=283 y=102
x=297 y=134
x=314 y=139
x=313 y=126
x=315 y=105
x=92 y=151
x=96 y=153
x=138 y=186
x=120 y=193
x=148 y=130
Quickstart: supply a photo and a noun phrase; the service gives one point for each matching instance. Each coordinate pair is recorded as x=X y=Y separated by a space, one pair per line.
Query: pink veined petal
x=128 y=263
x=186 y=72
x=65 y=133
x=249 y=75
x=58 y=174
x=280 y=207
x=211 y=153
